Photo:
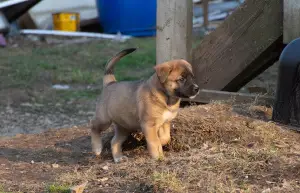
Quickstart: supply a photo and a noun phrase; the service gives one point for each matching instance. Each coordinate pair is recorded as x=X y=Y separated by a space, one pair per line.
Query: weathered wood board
x=243 y=46
x=207 y=96
x=291 y=20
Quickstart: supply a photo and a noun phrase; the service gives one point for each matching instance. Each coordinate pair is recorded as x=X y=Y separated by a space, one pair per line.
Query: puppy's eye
x=181 y=79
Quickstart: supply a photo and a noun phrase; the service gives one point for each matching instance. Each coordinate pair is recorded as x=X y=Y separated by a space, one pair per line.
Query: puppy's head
x=177 y=77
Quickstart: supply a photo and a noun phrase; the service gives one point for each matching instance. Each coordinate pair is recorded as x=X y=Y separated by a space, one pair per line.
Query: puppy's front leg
x=164 y=133
x=153 y=142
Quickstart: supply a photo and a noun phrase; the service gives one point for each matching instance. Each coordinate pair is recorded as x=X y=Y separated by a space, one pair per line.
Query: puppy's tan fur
x=148 y=106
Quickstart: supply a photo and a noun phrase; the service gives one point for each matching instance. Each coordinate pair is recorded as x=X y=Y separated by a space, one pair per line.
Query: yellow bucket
x=66 y=21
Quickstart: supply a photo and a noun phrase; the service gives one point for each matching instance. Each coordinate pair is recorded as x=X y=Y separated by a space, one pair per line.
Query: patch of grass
x=167 y=181
x=68 y=94
x=78 y=75
x=55 y=188
x=48 y=66
x=79 y=63
x=63 y=96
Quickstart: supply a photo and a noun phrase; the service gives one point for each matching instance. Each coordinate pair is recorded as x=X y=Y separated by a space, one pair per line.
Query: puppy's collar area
x=170 y=100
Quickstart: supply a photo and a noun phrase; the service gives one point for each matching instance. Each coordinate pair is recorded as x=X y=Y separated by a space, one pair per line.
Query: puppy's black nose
x=196 y=88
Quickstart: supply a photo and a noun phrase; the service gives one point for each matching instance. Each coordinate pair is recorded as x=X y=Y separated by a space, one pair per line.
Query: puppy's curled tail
x=109 y=68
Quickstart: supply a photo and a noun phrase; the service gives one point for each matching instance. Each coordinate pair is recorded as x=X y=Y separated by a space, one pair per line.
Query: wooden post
x=291 y=20
x=205 y=13
x=174 y=30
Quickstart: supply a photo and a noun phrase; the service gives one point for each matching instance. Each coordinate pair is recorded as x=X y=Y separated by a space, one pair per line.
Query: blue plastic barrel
x=130 y=17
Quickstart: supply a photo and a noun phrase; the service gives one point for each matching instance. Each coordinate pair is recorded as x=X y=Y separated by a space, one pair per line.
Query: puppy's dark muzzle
x=196 y=89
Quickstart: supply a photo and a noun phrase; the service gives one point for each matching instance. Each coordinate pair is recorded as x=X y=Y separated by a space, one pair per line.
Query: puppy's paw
x=121 y=159
x=97 y=152
x=161 y=158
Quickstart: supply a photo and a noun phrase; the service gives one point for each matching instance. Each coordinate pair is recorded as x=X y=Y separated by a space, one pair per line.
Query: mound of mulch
x=221 y=124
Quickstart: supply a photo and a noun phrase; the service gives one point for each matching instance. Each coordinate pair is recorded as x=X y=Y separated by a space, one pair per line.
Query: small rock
x=286 y=184
x=55 y=165
x=205 y=146
x=38 y=105
x=70 y=101
x=33 y=38
x=103 y=179
x=235 y=140
x=61 y=87
x=106 y=185
x=105 y=167
x=90 y=113
x=266 y=190
x=81 y=112
x=26 y=105
x=9 y=110
x=47 y=121
x=67 y=144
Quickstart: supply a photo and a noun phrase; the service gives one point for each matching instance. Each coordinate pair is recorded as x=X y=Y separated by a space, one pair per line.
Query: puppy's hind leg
x=116 y=144
x=98 y=125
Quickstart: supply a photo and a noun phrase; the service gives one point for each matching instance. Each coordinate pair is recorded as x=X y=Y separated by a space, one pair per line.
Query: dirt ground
x=214 y=148
x=45 y=143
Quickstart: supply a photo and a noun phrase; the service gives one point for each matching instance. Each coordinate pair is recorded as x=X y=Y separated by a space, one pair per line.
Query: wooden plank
x=174 y=30
x=207 y=96
x=260 y=64
x=291 y=20
x=73 y=34
x=205 y=13
x=236 y=44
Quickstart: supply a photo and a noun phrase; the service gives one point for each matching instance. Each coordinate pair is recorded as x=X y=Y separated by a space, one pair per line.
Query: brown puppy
x=146 y=106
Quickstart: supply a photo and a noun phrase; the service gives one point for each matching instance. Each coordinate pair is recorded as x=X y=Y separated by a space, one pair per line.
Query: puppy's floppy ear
x=163 y=70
